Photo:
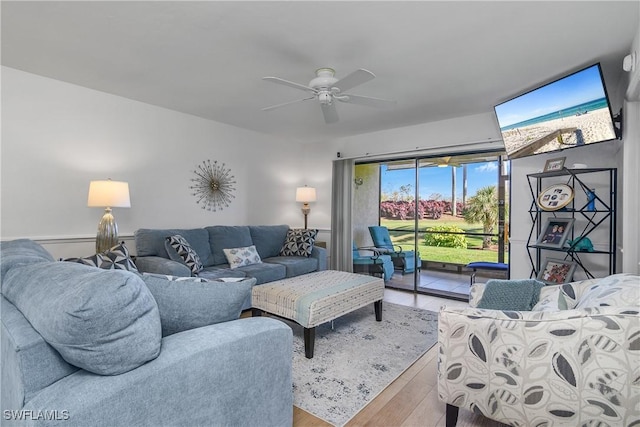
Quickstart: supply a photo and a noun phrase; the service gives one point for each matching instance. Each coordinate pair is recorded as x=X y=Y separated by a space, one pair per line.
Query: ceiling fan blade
x=288 y=83
x=330 y=113
x=366 y=100
x=354 y=79
x=273 y=107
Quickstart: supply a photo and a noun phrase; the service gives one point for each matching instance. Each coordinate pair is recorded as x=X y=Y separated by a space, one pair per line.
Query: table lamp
x=108 y=194
x=305 y=195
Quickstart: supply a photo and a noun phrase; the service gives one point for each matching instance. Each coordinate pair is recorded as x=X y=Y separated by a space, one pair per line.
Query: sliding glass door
x=448 y=211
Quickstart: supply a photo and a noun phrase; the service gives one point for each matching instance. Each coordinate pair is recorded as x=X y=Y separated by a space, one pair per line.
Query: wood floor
x=412 y=399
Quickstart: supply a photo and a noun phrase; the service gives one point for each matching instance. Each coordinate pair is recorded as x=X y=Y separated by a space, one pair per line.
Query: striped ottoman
x=315 y=298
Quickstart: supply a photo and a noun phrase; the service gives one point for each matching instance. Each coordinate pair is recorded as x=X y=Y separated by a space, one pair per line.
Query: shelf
x=567 y=250
x=602 y=218
x=567 y=172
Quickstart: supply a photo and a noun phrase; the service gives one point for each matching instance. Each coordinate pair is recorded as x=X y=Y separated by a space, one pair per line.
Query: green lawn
x=474 y=251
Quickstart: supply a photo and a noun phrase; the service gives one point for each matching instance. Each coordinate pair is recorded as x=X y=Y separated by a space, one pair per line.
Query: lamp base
x=107 y=236
x=305 y=211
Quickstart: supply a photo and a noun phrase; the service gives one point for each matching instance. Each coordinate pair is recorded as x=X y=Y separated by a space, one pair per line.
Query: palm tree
x=483 y=208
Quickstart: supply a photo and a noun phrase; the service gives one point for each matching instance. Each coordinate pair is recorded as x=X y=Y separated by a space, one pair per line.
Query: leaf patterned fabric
x=573 y=367
x=186 y=252
x=299 y=242
x=240 y=257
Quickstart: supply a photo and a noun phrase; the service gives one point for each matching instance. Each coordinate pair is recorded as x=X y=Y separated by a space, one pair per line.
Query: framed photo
x=555 y=197
x=555 y=232
x=556 y=271
x=554 y=164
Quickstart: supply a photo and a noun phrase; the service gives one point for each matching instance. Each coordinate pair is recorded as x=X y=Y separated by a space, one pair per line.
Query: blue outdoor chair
x=404 y=261
x=374 y=265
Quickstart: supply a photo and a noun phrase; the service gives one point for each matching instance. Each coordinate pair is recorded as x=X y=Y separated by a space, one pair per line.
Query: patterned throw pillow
x=617 y=290
x=299 y=242
x=551 y=299
x=239 y=257
x=186 y=253
x=116 y=258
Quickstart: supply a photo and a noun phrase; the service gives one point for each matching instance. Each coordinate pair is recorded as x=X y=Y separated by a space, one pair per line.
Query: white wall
x=56 y=137
x=468 y=133
x=603 y=155
x=631 y=165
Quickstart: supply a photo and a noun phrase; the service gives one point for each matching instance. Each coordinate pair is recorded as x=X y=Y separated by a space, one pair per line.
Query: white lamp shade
x=112 y=194
x=305 y=194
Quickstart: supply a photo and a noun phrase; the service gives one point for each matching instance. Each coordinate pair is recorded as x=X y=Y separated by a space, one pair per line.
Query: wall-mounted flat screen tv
x=570 y=112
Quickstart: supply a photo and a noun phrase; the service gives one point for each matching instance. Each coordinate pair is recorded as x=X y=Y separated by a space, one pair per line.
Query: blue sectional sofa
x=82 y=346
x=209 y=243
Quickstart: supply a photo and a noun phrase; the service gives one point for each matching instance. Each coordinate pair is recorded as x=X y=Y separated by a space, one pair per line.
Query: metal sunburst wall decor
x=213 y=186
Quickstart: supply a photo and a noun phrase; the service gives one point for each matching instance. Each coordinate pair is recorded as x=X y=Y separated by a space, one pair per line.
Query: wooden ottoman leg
x=256 y=312
x=378 y=307
x=309 y=341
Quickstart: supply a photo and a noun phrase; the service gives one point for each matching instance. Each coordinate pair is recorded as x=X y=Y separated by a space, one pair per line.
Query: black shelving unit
x=601 y=213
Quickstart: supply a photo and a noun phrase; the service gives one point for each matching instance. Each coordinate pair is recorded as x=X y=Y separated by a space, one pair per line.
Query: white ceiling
x=437 y=59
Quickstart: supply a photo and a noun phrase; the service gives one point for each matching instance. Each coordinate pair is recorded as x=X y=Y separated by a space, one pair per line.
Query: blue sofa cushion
x=29 y=363
x=178 y=245
x=104 y=321
x=191 y=304
x=264 y=272
x=295 y=265
x=268 y=239
x=151 y=242
x=299 y=242
x=19 y=252
x=227 y=237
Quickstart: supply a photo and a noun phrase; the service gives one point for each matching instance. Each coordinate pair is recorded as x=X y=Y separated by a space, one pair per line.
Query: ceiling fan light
x=325 y=78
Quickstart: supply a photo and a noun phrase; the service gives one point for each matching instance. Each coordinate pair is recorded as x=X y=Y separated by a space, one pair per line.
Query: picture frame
x=555 y=197
x=554 y=164
x=555 y=232
x=556 y=271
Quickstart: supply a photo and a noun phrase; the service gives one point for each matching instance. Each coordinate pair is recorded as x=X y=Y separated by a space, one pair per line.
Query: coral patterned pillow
x=239 y=257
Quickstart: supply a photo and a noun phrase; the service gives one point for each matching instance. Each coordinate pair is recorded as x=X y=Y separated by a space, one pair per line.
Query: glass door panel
x=398 y=214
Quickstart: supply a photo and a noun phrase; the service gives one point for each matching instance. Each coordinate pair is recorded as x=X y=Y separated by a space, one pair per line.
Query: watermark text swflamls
x=32 y=415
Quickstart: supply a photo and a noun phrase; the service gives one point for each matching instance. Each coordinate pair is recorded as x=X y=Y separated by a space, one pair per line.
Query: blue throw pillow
x=192 y=304
x=103 y=321
x=510 y=295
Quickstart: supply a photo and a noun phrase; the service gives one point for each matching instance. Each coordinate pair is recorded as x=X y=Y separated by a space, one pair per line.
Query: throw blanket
x=513 y=295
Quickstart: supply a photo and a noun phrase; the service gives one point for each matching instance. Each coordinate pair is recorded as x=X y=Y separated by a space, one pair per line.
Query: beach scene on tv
x=567 y=113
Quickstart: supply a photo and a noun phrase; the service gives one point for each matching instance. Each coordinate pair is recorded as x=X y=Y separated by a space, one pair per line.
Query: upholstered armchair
x=573 y=360
x=375 y=265
x=405 y=261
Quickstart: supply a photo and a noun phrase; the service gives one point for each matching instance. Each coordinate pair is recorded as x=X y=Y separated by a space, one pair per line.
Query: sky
x=575 y=89
x=438 y=180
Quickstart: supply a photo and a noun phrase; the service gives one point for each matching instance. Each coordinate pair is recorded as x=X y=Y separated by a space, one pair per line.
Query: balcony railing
x=443 y=254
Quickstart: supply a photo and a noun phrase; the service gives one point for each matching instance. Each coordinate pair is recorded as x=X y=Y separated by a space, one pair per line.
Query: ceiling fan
x=326 y=88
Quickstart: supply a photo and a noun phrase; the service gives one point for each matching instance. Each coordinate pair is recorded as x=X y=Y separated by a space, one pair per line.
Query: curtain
x=341 y=227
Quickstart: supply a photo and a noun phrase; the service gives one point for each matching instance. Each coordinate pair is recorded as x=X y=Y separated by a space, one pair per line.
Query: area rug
x=358 y=359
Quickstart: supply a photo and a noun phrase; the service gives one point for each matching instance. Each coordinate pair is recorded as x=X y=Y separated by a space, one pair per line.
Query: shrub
x=433 y=238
